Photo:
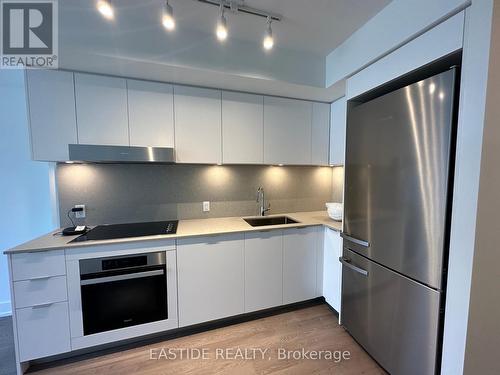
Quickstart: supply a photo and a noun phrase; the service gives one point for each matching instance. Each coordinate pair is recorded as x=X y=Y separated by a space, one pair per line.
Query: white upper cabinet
x=320 y=133
x=101 y=109
x=51 y=99
x=287 y=131
x=205 y=126
x=198 y=130
x=300 y=251
x=337 y=131
x=151 y=113
x=242 y=128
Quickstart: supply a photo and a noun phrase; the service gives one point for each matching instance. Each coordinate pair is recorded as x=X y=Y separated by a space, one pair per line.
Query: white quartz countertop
x=186 y=228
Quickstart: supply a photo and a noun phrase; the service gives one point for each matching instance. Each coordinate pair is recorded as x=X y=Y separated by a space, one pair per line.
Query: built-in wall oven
x=123 y=291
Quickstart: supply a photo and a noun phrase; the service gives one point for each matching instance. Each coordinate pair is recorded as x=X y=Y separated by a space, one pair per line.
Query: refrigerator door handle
x=346 y=262
x=354 y=240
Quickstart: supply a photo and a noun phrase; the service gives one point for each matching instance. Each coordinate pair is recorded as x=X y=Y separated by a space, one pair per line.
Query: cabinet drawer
x=40 y=291
x=27 y=266
x=43 y=331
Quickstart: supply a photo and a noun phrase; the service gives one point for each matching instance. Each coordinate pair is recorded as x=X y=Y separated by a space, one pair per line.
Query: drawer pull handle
x=348 y=264
x=355 y=240
x=40 y=278
x=42 y=305
x=129 y=276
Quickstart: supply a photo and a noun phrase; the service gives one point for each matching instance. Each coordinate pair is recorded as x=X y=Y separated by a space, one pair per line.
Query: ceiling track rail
x=235 y=6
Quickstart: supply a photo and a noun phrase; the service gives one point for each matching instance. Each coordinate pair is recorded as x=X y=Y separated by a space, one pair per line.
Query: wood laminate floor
x=312 y=329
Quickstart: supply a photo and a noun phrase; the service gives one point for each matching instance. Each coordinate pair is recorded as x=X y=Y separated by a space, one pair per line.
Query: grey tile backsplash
x=119 y=193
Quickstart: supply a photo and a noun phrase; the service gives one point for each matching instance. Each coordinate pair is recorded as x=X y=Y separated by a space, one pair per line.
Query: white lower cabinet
x=210 y=278
x=43 y=330
x=332 y=269
x=40 y=291
x=40 y=306
x=217 y=277
x=263 y=270
x=38 y=265
x=300 y=251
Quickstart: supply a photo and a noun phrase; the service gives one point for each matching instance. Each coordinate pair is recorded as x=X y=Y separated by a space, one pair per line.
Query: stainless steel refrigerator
x=398 y=175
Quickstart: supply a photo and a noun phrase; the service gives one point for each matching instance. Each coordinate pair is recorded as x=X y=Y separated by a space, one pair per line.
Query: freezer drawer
x=394 y=318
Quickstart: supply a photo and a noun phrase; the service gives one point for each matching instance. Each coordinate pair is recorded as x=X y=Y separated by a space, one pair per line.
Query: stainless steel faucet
x=262 y=200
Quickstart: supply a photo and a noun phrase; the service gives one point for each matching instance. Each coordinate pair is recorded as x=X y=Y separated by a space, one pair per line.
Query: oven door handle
x=128 y=276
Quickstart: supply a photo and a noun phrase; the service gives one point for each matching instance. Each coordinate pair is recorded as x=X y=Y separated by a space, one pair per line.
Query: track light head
x=106 y=9
x=221 y=29
x=168 y=19
x=268 y=41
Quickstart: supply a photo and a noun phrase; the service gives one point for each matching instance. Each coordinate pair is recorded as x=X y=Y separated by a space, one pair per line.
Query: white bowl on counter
x=335 y=210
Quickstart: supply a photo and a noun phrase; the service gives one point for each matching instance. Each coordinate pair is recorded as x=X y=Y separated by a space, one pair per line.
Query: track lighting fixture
x=268 y=41
x=221 y=29
x=168 y=19
x=105 y=8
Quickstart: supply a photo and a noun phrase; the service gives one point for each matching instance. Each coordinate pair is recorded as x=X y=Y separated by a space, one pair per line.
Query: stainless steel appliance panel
x=120 y=154
x=123 y=291
x=394 y=318
x=397 y=170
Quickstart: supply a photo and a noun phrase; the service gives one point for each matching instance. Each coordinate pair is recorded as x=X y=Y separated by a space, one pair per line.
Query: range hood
x=121 y=154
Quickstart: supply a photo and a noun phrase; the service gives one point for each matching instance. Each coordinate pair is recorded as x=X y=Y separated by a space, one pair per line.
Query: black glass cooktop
x=115 y=231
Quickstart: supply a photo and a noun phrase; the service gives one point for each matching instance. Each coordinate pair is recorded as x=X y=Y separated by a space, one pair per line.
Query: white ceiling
x=135 y=44
x=313 y=26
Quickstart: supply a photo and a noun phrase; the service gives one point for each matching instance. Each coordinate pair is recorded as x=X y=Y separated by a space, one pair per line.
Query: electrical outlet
x=206 y=206
x=80 y=214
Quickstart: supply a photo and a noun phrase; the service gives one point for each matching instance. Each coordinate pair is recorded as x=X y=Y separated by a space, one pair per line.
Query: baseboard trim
x=97 y=351
x=5 y=308
x=331 y=308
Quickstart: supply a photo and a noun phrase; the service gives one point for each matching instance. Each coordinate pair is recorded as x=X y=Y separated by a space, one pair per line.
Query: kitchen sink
x=273 y=220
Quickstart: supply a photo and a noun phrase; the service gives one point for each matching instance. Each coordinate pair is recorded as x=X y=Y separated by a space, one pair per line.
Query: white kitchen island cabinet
x=210 y=278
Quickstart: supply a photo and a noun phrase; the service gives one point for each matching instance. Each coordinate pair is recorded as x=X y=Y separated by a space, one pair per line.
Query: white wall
x=398 y=23
x=483 y=333
x=442 y=40
x=467 y=172
x=25 y=203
